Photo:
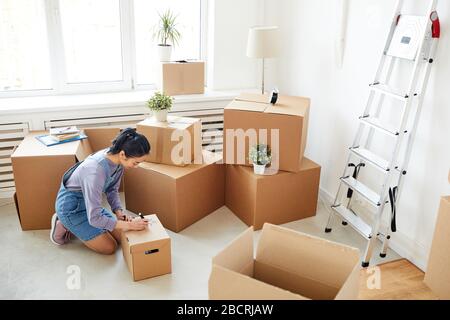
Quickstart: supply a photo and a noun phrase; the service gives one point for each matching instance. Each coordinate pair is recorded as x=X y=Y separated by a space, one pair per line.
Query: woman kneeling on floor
x=79 y=208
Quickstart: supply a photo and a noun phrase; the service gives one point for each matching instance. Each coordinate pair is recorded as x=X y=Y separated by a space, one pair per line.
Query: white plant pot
x=160 y=115
x=259 y=168
x=165 y=53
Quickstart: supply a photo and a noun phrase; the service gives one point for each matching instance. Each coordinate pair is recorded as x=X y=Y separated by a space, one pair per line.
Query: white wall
x=307 y=68
x=228 y=65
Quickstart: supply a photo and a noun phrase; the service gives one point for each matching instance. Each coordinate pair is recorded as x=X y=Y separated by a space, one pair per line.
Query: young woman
x=79 y=208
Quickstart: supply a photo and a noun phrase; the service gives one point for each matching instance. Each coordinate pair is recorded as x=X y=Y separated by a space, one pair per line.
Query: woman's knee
x=110 y=248
x=103 y=244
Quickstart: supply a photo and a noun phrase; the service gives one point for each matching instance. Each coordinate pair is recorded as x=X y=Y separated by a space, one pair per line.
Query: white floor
x=31 y=267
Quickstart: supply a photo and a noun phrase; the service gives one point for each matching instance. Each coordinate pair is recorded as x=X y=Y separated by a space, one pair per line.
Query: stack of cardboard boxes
x=292 y=192
x=179 y=183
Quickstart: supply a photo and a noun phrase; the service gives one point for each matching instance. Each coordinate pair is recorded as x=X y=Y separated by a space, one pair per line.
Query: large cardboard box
x=179 y=196
x=288 y=265
x=276 y=199
x=251 y=111
x=175 y=142
x=148 y=252
x=183 y=77
x=38 y=171
x=437 y=276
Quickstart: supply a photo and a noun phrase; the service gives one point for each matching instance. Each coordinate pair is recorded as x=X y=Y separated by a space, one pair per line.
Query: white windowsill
x=102 y=100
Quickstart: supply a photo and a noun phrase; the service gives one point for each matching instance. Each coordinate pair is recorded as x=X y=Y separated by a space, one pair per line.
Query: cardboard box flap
x=306 y=255
x=178 y=172
x=293 y=106
x=246 y=106
x=238 y=255
x=84 y=150
x=101 y=138
x=31 y=147
x=173 y=122
x=155 y=234
x=225 y=284
x=253 y=97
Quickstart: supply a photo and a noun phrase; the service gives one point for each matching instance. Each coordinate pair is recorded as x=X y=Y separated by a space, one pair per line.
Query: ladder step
x=362 y=189
x=356 y=222
x=389 y=91
x=376 y=123
x=371 y=158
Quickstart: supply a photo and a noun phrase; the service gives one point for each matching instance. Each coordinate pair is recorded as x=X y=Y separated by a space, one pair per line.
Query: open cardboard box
x=437 y=276
x=288 y=265
x=179 y=196
x=148 y=252
x=252 y=112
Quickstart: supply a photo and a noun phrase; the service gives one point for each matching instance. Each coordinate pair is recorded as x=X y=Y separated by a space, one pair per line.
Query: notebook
x=48 y=140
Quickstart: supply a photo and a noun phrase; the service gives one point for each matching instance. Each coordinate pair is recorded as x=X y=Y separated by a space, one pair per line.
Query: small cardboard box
x=277 y=199
x=179 y=196
x=175 y=142
x=148 y=252
x=437 y=276
x=38 y=171
x=183 y=78
x=288 y=265
x=251 y=113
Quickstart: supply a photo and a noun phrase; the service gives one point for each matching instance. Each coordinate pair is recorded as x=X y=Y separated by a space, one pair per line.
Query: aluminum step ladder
x=414 y=39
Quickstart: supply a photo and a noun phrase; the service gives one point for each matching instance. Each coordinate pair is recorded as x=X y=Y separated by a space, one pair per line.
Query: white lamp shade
x=262 y=42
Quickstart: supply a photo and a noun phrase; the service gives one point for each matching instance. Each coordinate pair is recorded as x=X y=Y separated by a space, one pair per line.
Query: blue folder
x=49 y=141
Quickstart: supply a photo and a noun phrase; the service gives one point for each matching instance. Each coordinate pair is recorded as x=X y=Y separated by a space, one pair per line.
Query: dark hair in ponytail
x=134 y=144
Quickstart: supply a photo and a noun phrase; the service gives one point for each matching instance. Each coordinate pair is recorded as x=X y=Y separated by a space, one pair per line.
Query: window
x=146 y=17
x=24 y=52
x=62 y=46
x=91 y=40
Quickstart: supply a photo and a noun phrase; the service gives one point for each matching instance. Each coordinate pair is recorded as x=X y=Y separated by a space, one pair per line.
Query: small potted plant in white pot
x=167 y=35
x=160 y=104
x=260 y=156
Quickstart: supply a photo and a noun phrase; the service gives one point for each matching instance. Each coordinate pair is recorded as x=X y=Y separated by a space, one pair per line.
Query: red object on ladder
x=435 y=25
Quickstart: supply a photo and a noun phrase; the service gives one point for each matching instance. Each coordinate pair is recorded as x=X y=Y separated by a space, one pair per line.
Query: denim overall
x=70 y=205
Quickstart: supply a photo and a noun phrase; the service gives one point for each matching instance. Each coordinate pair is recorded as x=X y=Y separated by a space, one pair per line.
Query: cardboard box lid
x=176 y=172
x=287 y=105
x=173 y=122
x=315 y=258
x=155 y=236
x=31 y=147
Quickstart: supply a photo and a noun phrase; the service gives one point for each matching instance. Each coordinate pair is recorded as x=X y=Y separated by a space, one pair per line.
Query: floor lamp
x=262 y=43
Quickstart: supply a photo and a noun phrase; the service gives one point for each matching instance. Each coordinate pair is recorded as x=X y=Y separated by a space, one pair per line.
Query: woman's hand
x=122 y=217
x=137 y=224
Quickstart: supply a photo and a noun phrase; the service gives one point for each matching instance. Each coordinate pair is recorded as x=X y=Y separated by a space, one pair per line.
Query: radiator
x=11 y=134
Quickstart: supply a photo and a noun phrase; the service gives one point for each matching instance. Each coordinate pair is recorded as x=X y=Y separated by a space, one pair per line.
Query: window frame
x=60 y=85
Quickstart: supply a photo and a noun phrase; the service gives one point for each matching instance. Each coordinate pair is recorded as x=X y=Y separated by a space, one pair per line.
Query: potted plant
x=160 y=104
x=260 y=155
x=166 y=32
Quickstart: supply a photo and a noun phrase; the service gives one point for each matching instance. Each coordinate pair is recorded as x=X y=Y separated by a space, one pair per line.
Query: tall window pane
x=146 y=17
x=92 y=40
x=24 y=53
